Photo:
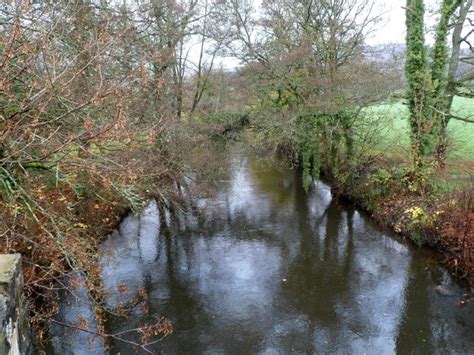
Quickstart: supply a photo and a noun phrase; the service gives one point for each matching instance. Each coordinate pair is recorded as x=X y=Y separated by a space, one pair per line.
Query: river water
x=263 y=267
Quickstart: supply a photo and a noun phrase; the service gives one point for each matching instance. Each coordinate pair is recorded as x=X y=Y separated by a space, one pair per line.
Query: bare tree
x=211 y=43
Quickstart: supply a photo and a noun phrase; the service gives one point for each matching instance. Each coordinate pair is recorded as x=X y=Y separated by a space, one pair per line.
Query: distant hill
x=394 y=55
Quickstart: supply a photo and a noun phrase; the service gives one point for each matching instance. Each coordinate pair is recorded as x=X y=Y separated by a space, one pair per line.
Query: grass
x=396 y=131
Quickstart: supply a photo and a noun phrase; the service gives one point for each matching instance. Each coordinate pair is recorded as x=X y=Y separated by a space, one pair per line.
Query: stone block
x=15 y=335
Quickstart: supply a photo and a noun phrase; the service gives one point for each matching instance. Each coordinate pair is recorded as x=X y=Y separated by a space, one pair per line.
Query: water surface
x=262 y=267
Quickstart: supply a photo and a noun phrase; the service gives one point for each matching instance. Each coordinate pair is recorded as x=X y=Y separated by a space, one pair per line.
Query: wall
x=15 y=335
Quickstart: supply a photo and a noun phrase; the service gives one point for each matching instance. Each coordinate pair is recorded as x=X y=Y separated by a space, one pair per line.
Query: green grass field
x=395 y=130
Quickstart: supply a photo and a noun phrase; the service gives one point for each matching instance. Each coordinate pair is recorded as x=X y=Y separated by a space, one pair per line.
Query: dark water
x=263 y=267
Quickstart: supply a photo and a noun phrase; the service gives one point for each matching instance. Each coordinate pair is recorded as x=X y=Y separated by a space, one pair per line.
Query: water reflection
x=269 y=268
x=76 y=305
x=128 y=255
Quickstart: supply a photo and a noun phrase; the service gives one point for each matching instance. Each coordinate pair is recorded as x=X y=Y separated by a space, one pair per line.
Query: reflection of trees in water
x=257 y=196
x=310 y=273
x=181 y=305
x=342 y=288
x=187 y=302
x=328 y=269
x=415 y=319
x=157 y=255
x=318 y=269
x=277 y=182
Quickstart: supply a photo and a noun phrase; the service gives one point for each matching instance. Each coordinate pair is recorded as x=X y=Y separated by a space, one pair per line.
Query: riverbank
x=444 y=223
x=65 y=213
x=441 y=216
x=372 y=165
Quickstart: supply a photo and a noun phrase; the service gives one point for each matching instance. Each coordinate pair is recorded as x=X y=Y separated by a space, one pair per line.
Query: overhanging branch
x=458 y=118
x=453 y=117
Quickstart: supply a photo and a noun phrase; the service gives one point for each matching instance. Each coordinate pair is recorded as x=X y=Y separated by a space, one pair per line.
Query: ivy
x=427 y=81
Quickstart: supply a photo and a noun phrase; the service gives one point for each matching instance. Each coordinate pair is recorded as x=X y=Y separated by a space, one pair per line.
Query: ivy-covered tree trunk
x=439 y=77
x=423 y=130
x=428 y=101
x=450 y=87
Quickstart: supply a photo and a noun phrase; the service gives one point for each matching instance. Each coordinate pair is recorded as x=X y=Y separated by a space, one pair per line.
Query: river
x=263 y=267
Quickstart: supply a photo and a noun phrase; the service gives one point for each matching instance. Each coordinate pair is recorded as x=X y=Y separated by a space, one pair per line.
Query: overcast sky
x=392 y=27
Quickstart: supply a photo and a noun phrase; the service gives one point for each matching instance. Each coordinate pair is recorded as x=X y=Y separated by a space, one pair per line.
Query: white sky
x=392 y=27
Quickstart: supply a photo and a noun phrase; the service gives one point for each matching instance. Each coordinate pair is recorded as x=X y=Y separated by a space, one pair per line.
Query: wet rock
x=445 y=290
